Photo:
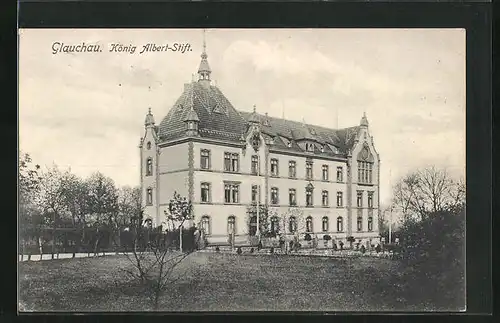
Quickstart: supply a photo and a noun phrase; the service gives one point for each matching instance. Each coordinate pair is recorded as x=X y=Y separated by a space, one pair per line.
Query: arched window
x=149 y=167
x=253 y=226
x=292 y=224
x=148 y=145
x=370 y=224
x=205 y=224
x=325 y=224
x=231 y=225
x=340 y=224
x=309 y=224
x=275 y=224
x=360 y=223
x=149 y=196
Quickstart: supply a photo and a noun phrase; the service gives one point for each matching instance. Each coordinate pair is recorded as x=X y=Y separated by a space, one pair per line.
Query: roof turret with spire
x=204 y=69
x=254 y=117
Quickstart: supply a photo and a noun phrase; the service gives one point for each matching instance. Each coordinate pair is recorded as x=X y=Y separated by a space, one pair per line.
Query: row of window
x=231 y=164
x=292 y=224
x=231 y=195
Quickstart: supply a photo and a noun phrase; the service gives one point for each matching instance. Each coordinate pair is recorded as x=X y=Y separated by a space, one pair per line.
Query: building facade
x=225 y=161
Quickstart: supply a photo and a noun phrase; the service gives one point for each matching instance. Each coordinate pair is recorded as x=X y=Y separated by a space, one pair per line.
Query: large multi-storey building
x=224 y=161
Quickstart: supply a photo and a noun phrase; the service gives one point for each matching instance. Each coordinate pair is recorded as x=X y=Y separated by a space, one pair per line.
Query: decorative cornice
x=201 y=140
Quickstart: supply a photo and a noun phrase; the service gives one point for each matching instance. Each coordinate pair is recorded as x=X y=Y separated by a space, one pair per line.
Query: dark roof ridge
x=299 y=123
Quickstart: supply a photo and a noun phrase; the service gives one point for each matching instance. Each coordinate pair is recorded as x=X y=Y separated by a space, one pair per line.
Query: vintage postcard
x=241 y=170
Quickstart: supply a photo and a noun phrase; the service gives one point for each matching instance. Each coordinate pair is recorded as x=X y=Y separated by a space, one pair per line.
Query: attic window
x=322 y=148
x=289 y=144
x=313 y=132
x=217 y=109
x=266 y=122
x=309 y=146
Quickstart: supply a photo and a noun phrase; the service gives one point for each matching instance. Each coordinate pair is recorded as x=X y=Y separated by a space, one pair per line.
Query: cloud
x=88 y=111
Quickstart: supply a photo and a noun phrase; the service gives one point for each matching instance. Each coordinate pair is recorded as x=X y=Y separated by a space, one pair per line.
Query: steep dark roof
x=220 y=120
x=342 y=139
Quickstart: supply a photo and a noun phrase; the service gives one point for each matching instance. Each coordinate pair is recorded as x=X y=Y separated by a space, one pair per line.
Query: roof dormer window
x=309 y=147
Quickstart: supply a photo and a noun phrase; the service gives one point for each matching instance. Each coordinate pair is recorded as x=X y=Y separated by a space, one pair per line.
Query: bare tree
x=427 y=191
x=153 y=262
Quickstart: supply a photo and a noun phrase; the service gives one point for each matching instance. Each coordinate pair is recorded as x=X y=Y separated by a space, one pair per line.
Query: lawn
x=222 y=282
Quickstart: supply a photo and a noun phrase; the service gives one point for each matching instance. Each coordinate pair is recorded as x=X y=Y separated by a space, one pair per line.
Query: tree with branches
x=103 y=204
x=265 y=215
x=154 y=264
x=50 y=199
x=293 y=219
x=129 y=203
x=428 y=191
x=179 y=211
x=29 y=179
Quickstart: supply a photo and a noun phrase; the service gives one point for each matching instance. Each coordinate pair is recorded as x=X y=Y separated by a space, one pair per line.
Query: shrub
x=433 y=253
x=251 y=250
x=217 y=249
x=238 y=251
x=272 y=250
x=307 y=237
x=350 y=239
x=327 y=237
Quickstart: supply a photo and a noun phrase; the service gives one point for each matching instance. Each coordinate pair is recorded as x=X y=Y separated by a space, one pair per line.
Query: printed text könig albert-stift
x=60 y=47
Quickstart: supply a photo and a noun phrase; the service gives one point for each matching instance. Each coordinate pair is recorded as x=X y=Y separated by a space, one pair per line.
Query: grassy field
x=223 y=282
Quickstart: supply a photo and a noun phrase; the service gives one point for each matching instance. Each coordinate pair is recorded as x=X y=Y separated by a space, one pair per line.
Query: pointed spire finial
x=150 y=120
x=204 y=69
x=204 y=42
x=254 y=108
x=364 y=120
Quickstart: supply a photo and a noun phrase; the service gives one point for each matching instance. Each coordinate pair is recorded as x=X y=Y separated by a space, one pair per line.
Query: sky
x=86 y=110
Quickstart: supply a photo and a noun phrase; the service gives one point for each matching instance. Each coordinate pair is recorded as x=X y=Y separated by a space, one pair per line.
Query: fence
x=88 y=240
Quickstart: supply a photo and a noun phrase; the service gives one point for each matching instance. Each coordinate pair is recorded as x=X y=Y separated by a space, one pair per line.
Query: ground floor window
x=309 y=224
x=292 y=224
x=325 y=224
x=340 y=224
x=231 y=225
x=275 y=227
x=205 y=224
x=252 y=230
